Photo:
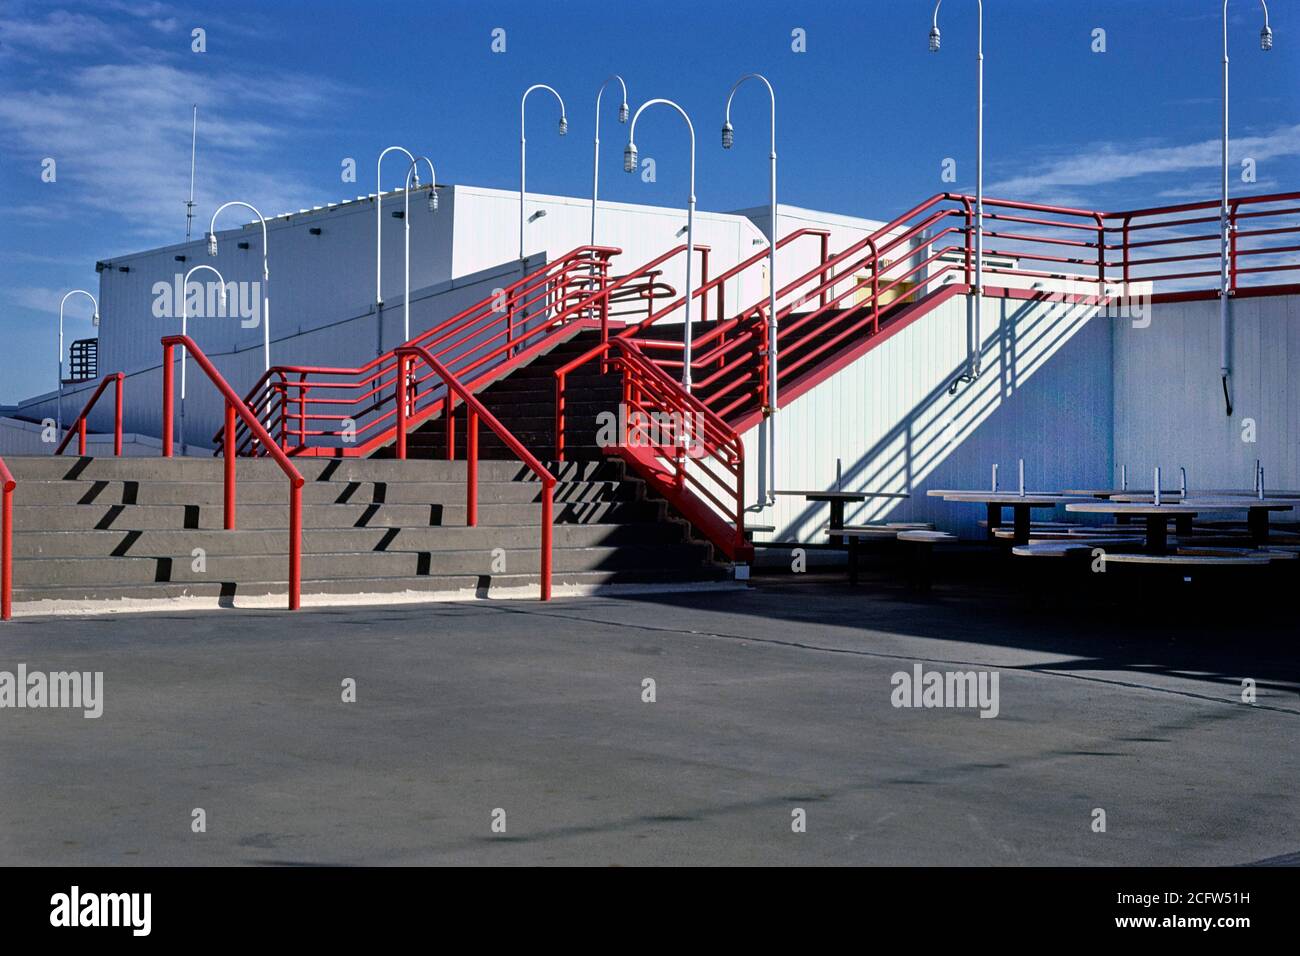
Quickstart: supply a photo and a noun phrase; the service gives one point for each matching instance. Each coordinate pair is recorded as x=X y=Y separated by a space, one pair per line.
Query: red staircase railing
x=7 y=486
x=318 y=404
x=682 y=449
x=301 y=405
x=715 y=286
x=1032 y=250
x=406 y=357
x=236 y=407
x=117 y=379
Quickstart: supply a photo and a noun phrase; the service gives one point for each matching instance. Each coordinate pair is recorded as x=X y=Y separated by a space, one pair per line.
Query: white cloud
x=1108 y=163
x=120 y=130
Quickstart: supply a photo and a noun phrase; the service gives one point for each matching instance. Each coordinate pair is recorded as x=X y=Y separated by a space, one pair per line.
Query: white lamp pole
x=185 y=311
x=523 y=151
x=94 y=317
x=1225 y=226
x=406 y=218
x=266 y=275
x=595 y=165
x=979 y=175
x=379 y=232
x=728 y=138
x=629 y=165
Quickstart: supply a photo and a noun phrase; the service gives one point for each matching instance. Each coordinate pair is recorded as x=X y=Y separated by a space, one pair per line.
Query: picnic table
x=1157 y=515
x=995 y=501
x=837 y=500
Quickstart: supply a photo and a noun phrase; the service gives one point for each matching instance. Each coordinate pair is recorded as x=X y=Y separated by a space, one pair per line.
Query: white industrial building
x=322 y=293
x=1071 y=391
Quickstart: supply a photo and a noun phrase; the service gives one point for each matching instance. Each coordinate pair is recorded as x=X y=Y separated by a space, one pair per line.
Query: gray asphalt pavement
x=768 y=701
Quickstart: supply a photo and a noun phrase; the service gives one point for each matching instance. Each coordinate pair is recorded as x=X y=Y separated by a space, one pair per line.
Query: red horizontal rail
x=117 y=379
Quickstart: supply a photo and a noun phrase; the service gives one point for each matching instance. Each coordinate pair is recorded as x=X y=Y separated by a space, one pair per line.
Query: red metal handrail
x=373 y=393
x=695 y=437
x=7 y=486
x=118 y=379
x=601 y=350
x=484 y=333
x=474 y=411
x=235 y=406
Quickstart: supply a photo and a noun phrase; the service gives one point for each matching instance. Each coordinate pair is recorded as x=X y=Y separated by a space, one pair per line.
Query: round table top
x=1112 y=492
x=815 y=495
x=1216 y=502
x=1031 y=499
x=1133 y=508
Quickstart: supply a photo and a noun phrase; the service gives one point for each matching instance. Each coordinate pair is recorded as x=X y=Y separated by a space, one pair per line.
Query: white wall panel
x=1044 y=395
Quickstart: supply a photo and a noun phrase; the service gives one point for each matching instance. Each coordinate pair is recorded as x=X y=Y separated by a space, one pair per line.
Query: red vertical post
x=451 y=426
x=1232 y=249
x=230 y=468
x=704 y=281
x=547 y=507
x=559 y=418
x=471 y=466
x=825 y=253
x=1127 y=221
x=1101 y=256
x=295 y=544
x=7 y=548
x=875 y=289
x=81 y=436
x=970 y=234
x=302 y=409
x=167 y=401
x=284 y=413
x=117 y=415
x=401 y=406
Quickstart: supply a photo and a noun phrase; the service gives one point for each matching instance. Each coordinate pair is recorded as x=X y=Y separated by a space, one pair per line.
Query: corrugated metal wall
x=1044 y=394
x=1169 y=407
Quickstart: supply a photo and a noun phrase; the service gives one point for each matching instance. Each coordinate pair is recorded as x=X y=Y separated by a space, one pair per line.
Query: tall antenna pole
x=189 y=206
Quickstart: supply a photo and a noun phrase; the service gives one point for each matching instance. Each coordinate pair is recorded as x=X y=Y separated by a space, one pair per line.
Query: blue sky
x=866 y=116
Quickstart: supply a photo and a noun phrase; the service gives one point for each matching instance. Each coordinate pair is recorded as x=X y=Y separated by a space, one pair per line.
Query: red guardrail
x=7 y=486
x=235 y=406
x=474 y=411
x=118 y=379
x=473 y=343
x=688 y=453
x=715 y=285
x=1091 y=255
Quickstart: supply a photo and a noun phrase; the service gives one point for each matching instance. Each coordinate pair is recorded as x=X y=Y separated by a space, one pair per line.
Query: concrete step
x=164 y=517
x=50 y=599
x=111 y=492
x=181 y=543
x=49 y=467
x=347 y=565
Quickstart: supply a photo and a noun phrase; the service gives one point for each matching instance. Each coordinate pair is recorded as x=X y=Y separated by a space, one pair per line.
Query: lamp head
x=622 y=113
x=1266 y=39
x=564 y=125
x=728 y=135
x=433 y=199
x=934 y=38
x=629 y=158
x=212 y=243
x=94 y=319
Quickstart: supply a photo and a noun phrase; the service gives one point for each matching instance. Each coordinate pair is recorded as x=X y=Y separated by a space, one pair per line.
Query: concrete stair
x=109 y=529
